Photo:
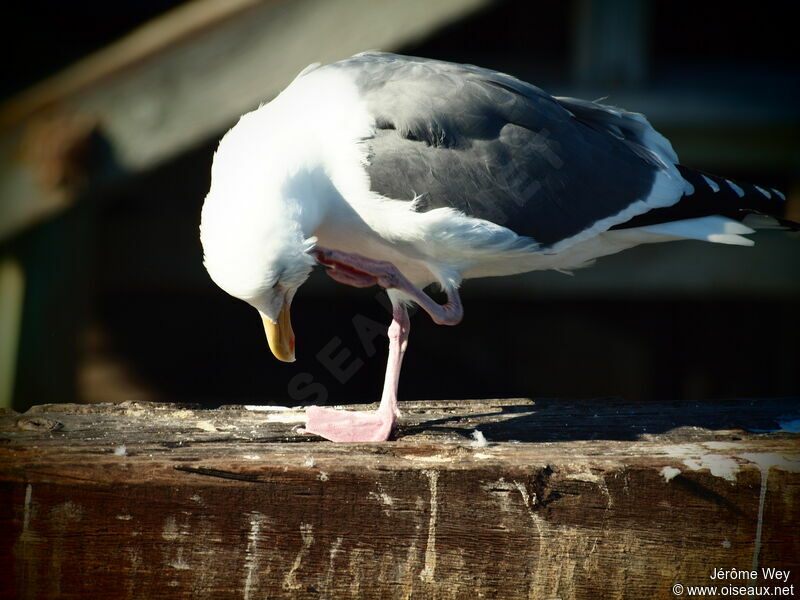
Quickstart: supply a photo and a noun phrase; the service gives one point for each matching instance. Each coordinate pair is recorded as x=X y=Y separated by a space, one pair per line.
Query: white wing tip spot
x=739 y=191
x=764 y=192
x=711 y=183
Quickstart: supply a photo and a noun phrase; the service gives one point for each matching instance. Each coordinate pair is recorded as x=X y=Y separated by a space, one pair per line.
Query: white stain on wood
x=433 y=458
x=176 y=534
x=335 y=550
x=331 y=572
x=362 y=567
x=62 y=517
x=540 y=526
x=523 y=491
x=762 y=498
x=179 y=562
x=501 y=490
x=428 y=571
x=408 y=569
x=669 y=473
x=290 y=581
x=251 y=553
x=561 y=551
x=480 y=439
x=279 y=414
x=765 y=462
x=25 y=550
x=587 y=477
x=135 y=560
x=771 y=460
x=170 y=530
x=718 y=465
x=384 y=498
x=26 y=510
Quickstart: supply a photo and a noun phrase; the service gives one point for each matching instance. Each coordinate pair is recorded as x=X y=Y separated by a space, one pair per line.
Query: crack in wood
x=208 y=472
x=431 y=517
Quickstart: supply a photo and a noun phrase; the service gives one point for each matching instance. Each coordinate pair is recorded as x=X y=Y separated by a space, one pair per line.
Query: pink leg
x=358 y=271
x=352 y=426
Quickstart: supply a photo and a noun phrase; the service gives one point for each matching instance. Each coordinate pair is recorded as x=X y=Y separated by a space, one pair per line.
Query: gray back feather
x=500 y=149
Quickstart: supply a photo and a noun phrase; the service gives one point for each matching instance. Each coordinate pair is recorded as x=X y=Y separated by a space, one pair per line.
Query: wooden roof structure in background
x=178 y=80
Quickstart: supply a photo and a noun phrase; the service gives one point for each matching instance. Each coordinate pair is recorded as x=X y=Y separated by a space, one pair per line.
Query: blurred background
x=109 y=116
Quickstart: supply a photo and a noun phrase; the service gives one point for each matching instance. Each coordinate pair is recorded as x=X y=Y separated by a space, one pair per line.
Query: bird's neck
x=307 y=199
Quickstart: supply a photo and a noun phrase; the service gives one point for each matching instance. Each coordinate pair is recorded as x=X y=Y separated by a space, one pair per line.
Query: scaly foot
x=348 y=425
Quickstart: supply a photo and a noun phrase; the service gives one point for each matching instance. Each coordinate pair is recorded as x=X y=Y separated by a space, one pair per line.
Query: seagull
x=403 y=172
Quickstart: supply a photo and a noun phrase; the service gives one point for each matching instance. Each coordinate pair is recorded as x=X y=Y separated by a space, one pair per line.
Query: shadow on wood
x=157 y=501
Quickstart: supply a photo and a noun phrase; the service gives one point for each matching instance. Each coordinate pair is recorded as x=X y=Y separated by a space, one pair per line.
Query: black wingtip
x=715 y=195
x=732 y=198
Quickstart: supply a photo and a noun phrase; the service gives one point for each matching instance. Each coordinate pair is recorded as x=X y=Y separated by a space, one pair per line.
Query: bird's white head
x=252 y=234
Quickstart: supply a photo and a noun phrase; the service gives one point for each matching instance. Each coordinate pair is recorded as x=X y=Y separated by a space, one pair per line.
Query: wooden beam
x=189 y=75
x=143 y=44
x=566 y=499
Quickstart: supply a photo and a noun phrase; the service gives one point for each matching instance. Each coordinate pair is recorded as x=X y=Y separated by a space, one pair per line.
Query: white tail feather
x=715 y=229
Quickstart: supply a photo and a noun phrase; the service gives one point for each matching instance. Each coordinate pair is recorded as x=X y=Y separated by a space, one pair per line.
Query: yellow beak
x=280 y=335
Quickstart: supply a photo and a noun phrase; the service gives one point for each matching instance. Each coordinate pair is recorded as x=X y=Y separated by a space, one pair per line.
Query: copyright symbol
x=677 y=589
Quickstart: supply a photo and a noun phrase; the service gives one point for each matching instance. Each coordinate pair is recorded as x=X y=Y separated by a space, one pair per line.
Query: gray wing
x=499 y=149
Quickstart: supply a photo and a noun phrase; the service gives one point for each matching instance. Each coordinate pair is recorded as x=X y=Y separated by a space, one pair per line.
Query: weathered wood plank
x=161 y=501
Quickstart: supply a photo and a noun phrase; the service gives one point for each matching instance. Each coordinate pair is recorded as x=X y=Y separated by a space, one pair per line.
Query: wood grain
x=595 y=499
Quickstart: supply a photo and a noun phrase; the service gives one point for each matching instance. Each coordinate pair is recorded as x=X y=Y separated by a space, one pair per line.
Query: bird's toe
x=348 y=426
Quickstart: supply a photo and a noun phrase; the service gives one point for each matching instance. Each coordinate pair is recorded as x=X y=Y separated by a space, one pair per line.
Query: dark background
x=155 y=328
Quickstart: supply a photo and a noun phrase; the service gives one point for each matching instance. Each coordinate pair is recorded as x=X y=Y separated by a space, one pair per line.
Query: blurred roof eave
x=176 y=82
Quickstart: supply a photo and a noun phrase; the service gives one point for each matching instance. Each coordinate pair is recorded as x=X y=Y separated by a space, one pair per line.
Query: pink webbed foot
x=348 y=425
